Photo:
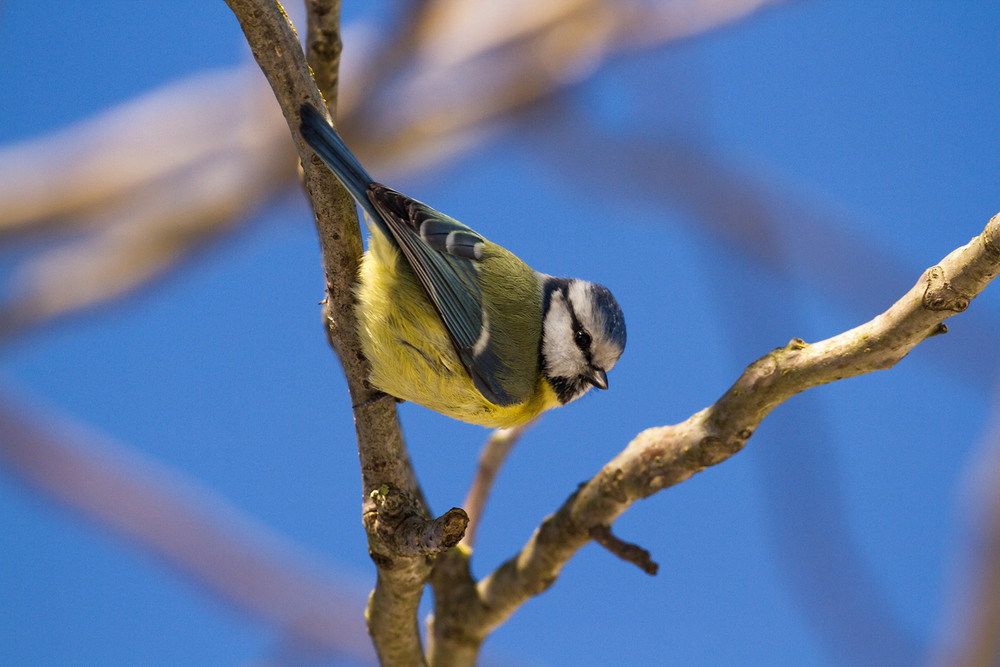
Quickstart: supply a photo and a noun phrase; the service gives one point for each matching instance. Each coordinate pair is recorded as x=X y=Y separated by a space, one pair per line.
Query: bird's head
x=583 y=335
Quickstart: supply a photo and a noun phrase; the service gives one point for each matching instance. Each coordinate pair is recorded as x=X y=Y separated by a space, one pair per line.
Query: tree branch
x=392 y=607
x=324 y=46
x=663 y=456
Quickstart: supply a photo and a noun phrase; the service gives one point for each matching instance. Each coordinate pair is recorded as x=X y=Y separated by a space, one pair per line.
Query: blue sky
x=874 y=123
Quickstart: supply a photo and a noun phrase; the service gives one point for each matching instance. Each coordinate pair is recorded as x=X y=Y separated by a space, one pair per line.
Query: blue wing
x=443 y=253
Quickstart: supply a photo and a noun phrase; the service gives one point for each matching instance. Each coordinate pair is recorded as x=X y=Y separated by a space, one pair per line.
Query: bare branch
x=392 y=607
x=323 y=46
x=663 y=456
x=453 y=636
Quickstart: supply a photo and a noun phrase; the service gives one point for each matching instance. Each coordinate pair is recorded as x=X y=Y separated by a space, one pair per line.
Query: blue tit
x=458 y=324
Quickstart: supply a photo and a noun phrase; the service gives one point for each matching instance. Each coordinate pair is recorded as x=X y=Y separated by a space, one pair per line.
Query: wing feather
x=444 y=255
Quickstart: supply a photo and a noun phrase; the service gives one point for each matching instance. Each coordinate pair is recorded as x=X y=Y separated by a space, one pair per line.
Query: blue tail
x=323 y=139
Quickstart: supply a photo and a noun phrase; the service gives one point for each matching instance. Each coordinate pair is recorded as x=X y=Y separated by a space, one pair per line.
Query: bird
x=458 y=324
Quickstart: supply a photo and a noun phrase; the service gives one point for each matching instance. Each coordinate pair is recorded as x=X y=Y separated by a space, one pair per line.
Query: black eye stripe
x=580 y=335
x=569 y=308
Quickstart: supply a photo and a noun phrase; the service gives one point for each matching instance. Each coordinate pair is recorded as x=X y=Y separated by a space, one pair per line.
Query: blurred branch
x=475 y=62
x=494 y=453
x=188 y=526
x=121 y=155
x=679 y=20
x=147 y=186
x=661 y=457
x=971 y=635
x=452 y=580
x=157 y=178
x=572 y=35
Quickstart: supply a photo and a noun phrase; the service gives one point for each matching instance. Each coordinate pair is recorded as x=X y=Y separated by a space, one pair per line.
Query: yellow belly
x=411 y=355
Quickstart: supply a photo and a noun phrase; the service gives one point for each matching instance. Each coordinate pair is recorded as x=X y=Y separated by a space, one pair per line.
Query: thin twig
x=494 y=453
x=628 y=552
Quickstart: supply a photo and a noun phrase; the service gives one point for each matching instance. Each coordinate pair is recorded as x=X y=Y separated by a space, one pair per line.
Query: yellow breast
x=411 y=355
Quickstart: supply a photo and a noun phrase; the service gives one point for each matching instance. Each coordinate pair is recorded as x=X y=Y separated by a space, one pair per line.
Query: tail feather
x=323 y=138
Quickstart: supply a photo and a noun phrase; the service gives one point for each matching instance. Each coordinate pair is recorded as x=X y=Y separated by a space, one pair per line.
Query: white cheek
x=563 y=357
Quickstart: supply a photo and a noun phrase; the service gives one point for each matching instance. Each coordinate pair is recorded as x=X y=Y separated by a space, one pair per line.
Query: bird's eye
x=582 y=339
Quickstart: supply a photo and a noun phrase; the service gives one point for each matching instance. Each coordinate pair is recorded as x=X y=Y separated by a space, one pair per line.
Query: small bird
x=458 y=324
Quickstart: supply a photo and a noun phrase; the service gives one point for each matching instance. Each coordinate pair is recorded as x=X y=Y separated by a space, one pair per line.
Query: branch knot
x=406 y=531
x=610 y=486
x=940 y=295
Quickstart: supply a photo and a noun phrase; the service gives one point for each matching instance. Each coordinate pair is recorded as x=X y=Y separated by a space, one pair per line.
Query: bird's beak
x=598 y=378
